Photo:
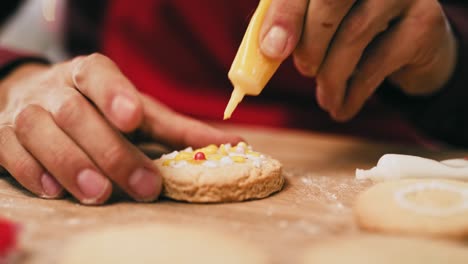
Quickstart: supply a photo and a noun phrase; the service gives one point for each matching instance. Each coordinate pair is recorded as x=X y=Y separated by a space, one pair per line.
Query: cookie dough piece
x=436 y=208
x=385 y=250
x=219 y=174
x=158 y=244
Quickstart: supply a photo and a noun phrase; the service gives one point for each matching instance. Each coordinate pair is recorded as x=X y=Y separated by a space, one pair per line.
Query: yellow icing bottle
x=250 y=70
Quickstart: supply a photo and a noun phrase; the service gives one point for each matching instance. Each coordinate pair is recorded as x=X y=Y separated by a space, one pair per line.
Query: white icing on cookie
x=226 y=161
x=401 y=199
x=171 y=155
x=210 y=164
x=178 y=164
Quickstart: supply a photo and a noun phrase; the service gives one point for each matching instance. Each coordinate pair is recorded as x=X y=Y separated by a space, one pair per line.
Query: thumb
x=282 y=27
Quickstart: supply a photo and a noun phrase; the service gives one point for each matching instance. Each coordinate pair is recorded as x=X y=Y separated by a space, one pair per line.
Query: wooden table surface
x=316 y=202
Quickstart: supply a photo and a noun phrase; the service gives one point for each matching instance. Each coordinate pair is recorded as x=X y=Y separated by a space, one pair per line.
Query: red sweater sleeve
x=443 y=116
x=10 y=59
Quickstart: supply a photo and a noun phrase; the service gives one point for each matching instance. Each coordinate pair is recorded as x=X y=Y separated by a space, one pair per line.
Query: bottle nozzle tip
x=236 y=98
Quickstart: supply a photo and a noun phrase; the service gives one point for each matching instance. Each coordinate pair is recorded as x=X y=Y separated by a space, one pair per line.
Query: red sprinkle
x=8 y=232
x=199 y=156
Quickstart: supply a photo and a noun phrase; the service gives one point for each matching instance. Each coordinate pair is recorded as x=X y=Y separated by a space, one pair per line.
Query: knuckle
x=23 y=167
x=112 y=158
x=96 y=58
x=358 y=29
x=70 y=112
x=63 y=156
x=431 y=16
x=6 y=133
x=83 y=65
x=26 y=119
x=327 y=81
x=337 y=4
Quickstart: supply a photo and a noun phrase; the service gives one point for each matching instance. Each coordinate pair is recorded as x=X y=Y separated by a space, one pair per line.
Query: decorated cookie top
x=214 y=156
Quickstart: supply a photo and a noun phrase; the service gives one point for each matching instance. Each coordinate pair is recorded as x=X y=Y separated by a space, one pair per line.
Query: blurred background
x=28 y=30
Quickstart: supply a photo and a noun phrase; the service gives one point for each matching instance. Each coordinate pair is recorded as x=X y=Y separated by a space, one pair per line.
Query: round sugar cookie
x=384 y=250
x=219 y=174
x=436 y=208
x=158 y=244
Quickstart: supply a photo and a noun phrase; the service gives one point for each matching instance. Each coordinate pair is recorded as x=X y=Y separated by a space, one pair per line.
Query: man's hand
x=351 y=46
x=60 y=130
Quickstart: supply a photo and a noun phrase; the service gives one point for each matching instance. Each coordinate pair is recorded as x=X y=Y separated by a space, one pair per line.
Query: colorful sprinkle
x=199 y=156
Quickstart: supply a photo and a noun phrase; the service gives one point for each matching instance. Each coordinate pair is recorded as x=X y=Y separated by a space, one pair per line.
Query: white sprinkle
x=171 y=155
x=179 y=164
x=257 y=163
x=210 y=164
x=240 y=149
x=189 y=149
x=226 y=160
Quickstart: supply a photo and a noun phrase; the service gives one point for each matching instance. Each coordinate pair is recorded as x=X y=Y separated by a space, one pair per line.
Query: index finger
x=100 y=80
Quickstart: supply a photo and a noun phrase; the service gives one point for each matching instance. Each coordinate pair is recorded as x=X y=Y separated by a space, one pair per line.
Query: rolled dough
x=152 y=243
x=384 y=250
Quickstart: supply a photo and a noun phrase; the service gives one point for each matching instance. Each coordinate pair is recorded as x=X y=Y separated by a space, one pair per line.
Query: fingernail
x=92 y=184
x=322 y=98
x=123 y=108
x=50 y=186
x=307 y=69
x=144 y=183
x=274 y=43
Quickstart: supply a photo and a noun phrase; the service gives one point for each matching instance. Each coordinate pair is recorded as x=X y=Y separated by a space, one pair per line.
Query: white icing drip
x=188 y=149
x=210 y=164
x=402 y=201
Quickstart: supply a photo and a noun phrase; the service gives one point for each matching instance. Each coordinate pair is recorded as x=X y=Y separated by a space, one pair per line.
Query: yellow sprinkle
x=222 y=149
x=167 y=162
x=242 y=144
x=196 y=162
x=184 y=156
x=210 y=149
x=238 y=159
x=214 y=156
x=253 y=153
